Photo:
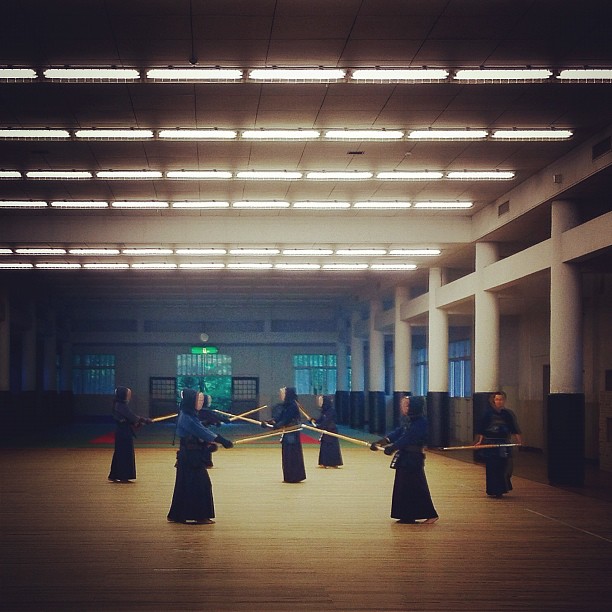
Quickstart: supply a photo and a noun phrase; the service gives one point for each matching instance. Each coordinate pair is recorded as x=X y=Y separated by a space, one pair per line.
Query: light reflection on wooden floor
x=73 y=541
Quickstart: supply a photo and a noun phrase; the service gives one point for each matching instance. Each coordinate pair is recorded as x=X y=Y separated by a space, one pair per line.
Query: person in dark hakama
x=192 y=499
x=411 y=501
x=123 y=464
x=329 y=449
x=292 y=454
x=497 y=426
x=210 y=418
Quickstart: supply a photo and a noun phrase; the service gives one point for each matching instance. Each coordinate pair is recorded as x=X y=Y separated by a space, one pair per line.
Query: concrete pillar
x=437 y=355
x=486 y=335
x=5 y=344
x=565 y=403
x=402 y=353
x=357 y=399
x=376 y=387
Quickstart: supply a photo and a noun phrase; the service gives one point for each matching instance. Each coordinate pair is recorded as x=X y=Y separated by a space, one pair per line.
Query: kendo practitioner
x=329 y=449
x=123 y=465
x=497 y=426
x=288 y=415
x=210 y=418
x=411 y=502
x=192 y=500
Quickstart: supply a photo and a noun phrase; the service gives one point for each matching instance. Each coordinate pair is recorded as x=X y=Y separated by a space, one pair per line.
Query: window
x=211 y=374
x=420 y=371
x=93 y=374
x=459 y=369
x=315 y=374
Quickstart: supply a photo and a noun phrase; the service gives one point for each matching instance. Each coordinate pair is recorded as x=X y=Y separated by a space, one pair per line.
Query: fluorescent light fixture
x=250 y=266
x=201 y=266
x=198 y=175
x=9 y=174
x=280 y=134
x=59 y=174
x=154 y=266
x=263 y=175
x=129 y=174
x=22 y=204
x=197 y=134
x=415 y=252
x=449 y=205
x=194 y=74
x=397 y=175
x=36 y=134
x=590 y=75
x=17 y=74
x=134 y=204
x=200 y=205
x=297 y=266
x=503 y=74
x=92 y=74
x=347 y=266
x=147 y=251
x=15 y=266
x=93 y=251
x=40 y=251
x=198 y=252
x=262 y=204
x=395 y=75
x=447 y=134
x=106 y=266
x=364 y=134
x=80 y=204
x=321 y=205
x=477 y=175
x=532 y=134
x=339 y=176
x=293 y=75
x=361 y=252
x=382 y=205
x=391 y=267
x=58 y=266
x=6 y=251
x=114 y=134
x=254 y=251
x=308 y=252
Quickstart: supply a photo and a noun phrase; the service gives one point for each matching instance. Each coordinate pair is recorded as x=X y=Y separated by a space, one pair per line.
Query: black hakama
x=192 y=499
x=293 y=458
x=411 y=497
x=123 y=465
x=329 y=452
x=498 y=462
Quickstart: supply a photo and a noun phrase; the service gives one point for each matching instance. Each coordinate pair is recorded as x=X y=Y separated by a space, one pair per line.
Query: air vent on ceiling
x=503 y=208
x=602 y=147
x=355 y=152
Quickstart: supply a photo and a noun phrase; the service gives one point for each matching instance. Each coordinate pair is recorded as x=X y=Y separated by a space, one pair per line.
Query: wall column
x=486 y=335
x=376 y=387
x=565 y=403
x=437 y=356
x=342 y=389
x=5 y=345
x=402 y=353
x=357 y=399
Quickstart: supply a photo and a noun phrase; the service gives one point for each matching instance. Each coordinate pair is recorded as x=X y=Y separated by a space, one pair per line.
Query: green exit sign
x=204 y=350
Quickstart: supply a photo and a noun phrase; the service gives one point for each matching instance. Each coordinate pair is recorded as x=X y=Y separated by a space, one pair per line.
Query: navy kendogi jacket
x=409 y=441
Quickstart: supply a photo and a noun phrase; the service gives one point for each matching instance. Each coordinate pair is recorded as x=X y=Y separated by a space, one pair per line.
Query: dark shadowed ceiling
x=248 y=34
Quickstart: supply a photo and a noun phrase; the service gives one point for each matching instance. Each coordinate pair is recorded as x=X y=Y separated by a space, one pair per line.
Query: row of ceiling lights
x=293 y=75
x=280 y=134
x=323 y=175
x=219 y=205
x=213 y=251
x=208 y=266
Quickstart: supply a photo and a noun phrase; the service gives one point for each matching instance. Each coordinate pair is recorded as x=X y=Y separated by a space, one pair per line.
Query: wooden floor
x=73 y=541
